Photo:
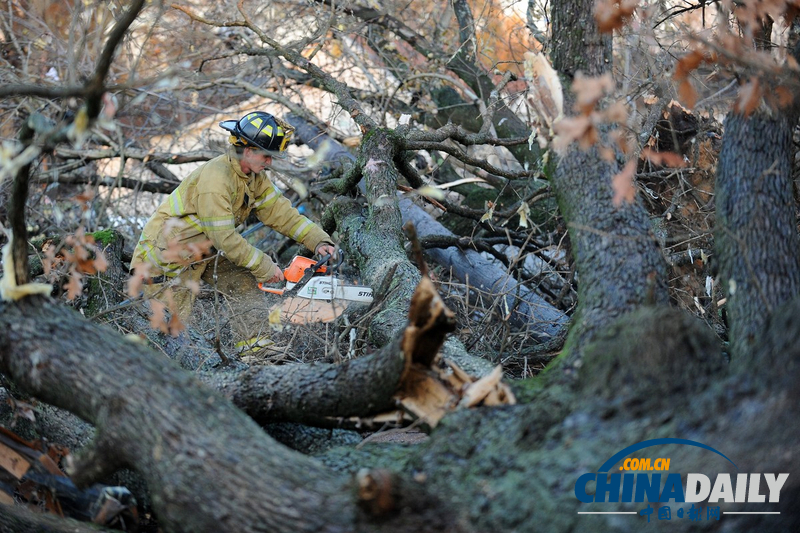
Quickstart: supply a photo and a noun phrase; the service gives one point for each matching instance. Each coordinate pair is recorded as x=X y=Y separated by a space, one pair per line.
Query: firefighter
x=208 y=206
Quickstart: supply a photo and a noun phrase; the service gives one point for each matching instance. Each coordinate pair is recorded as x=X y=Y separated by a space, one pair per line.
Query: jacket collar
x=233 y=161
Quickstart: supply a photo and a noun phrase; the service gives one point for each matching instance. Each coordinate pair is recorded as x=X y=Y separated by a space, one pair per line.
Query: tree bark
x=617 y=257
x=578 y=45
x=756 y=233
x=209 y=467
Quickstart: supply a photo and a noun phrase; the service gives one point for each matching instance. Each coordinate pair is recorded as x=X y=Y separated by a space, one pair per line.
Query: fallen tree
x=191 y=445
x=522 y=307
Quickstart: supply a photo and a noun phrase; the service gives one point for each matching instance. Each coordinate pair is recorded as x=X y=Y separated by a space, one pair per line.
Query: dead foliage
x=31 y=476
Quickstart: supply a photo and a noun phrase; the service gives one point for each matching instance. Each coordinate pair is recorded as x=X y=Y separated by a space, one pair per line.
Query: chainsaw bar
x=330 y=288
x=306 y=279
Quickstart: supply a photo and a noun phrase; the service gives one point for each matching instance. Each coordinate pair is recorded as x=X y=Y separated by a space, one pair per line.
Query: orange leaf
x=572 y=129
x=589 y=90
x=687 y=94
x=688 y=64
x=622 y=183
x=783 y=96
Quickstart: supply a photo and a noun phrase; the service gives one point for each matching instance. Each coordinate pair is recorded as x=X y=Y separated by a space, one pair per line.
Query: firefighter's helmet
x=260 y=130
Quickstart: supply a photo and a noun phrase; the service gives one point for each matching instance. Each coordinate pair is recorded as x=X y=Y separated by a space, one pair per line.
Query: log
x=191 y=445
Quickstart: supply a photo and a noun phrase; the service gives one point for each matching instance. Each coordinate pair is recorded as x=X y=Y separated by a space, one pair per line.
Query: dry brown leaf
x=158 y=318
x=175 y=326
x=579 y=128
x=622 y=183
x=611 y=15
x=589 y=90
x=687 y=93
x=74 y=286
x=782 y=96
x=140 y=272
x=749 y=97
x=664 y=159
x=547 y=95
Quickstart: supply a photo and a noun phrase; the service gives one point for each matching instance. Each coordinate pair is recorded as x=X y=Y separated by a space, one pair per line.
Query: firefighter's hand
x=277 y=276
x=326 y=249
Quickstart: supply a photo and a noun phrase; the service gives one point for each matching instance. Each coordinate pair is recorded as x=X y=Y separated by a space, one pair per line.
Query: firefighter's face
x=255 y=161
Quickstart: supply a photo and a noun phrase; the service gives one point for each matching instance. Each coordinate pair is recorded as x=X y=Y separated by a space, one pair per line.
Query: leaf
x=175 y=325
x=431 y=192
x=589 y=90
x=664 y=159
x=579 y=128
x=158 y=318
x=547 y=95
x=335 y=49
x=523 y=212
x=140 y=273
x=487 y=216
x=74 y=286
x=684 y=68
x=749 y=97
x=622 y=184
x=611 y=15
x=687 y=93
x=78 y=131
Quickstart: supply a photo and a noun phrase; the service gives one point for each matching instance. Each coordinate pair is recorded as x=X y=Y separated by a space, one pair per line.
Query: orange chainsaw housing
x=297 y=268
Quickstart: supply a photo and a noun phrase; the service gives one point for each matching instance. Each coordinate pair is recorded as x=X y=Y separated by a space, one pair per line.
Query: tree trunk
x=578 y=45
x=617 y=258
x=756 y=234
x=209 y=467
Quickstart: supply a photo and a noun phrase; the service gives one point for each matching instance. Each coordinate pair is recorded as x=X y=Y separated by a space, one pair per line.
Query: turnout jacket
x=208 y=205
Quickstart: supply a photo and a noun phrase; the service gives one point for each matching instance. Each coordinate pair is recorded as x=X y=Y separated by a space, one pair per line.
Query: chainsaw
x=306 y=278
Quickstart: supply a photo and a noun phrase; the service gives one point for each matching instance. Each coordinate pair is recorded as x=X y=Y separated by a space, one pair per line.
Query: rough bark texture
x=15 y=519
x=514 y=469
x=208 y=466
x=309 y=393
x=373 y=236
x=756 y=235
x=617 y=259
x=619 y=265
x=577 y=43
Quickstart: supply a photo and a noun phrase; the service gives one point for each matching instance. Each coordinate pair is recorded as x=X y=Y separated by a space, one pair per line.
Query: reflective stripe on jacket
x=208 y=205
